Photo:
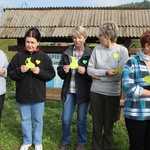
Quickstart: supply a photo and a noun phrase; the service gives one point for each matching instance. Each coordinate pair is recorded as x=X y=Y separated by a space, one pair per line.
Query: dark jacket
x=31 y=87
x=82 y=81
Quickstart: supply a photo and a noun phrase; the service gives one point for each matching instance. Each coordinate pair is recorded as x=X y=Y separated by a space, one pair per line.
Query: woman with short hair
x=76 y=86
x=105 y=67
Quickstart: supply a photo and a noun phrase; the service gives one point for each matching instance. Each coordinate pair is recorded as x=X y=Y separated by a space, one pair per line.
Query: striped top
x=134 y=71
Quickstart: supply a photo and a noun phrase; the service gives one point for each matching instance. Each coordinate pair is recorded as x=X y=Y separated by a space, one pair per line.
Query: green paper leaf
x=119 y=69
x=84 y=61
x=147 y=79
x=74 y=63
x=28 y=63
x=116 y=55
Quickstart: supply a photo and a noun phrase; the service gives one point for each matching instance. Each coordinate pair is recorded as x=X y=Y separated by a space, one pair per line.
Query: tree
x=24 y=5
x=1 y=12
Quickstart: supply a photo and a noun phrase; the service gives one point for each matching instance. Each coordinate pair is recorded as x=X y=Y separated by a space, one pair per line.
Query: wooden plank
x=46 y=49
x=53 y=93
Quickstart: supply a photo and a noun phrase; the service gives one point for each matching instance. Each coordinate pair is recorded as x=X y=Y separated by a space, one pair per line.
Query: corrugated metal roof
x=59 y=21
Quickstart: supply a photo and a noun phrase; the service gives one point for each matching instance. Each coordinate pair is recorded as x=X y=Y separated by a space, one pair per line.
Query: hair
x=33 y=32
x=110 y=29
x=145 y=38
x=79 y=30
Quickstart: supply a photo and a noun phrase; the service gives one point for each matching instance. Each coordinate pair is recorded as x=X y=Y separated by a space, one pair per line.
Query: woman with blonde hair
x=75 y=91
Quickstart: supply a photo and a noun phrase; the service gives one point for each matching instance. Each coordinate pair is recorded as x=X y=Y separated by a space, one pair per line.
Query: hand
x=81 y=69
x=66 y=68
x=111 y=72
x=35 y=70
x=2 y=71
x=24 y=68
x=94 y=76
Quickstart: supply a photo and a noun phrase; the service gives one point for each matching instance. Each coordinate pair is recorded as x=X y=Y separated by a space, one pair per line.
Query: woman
x=3 y=75
x=75 y=91
x=31 y=68
x=136 y=85
x=105 y=67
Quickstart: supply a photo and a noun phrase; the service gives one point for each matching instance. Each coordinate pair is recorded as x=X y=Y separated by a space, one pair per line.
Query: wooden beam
x=46 y=49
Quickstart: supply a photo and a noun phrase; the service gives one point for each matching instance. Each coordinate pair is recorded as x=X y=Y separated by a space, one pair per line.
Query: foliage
x=144 y=4
x=4 y=44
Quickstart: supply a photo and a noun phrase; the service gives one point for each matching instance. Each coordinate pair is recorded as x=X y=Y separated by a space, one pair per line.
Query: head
x=32 y=39
x=79 y=36
x=109 y=30
x=145 y=40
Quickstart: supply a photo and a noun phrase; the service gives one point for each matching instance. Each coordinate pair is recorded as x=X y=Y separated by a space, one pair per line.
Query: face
x=104 y=40
x=78 y=40
x=31 y=44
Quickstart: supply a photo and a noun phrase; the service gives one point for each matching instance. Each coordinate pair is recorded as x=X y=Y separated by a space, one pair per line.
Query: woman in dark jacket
x=76 y=87
x=31 y=68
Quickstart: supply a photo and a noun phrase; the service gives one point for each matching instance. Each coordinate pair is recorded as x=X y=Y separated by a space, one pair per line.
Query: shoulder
x=2 y=53
x=121 y=47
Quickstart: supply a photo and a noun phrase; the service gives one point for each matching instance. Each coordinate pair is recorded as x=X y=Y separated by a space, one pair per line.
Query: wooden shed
x=56 y=23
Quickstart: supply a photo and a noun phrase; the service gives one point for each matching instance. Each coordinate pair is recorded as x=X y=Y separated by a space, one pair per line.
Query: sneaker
x=39 y=147
x=25 y=146
x=80 y=147
x=63 y=146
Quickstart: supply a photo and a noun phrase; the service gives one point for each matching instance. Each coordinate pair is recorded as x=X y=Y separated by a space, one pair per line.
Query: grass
x=11 y=135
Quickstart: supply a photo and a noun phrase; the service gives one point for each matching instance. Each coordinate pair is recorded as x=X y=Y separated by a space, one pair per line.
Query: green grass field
x=11 y=135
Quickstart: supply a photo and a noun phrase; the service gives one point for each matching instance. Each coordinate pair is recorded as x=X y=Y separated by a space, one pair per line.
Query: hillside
x=144 y=4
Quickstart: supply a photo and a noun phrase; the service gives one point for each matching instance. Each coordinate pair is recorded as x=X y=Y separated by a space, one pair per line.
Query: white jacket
x=3 y=64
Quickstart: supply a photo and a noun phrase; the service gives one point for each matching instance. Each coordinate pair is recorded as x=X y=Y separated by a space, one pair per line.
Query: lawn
x=11 y=136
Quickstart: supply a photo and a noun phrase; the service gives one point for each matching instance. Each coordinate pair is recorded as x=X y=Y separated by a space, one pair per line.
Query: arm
x=14 y=70
x=3 y=70
x=91 y=69
x=63 y=67
x=131 y=89
x=122 y=60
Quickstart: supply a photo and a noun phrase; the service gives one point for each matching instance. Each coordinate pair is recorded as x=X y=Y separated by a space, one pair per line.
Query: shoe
x=63 y=146
x=80 y=147
x=25 y=146
x=39 y=147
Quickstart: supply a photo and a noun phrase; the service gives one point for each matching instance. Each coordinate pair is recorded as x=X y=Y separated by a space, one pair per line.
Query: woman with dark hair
x=136 y=85
x=31 y=69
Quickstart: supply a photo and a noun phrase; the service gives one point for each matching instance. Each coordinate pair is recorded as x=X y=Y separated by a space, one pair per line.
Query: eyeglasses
x=100 y=35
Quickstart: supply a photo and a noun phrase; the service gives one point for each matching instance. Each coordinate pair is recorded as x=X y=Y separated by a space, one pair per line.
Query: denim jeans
x=67 y=115
x=32 y=114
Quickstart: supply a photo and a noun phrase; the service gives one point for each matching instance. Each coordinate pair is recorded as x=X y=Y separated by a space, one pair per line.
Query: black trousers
x=104 y=111
x=1 y=104
x=139 y=134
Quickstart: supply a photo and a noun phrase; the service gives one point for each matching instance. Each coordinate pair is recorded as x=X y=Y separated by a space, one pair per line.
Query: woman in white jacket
x=3 y=75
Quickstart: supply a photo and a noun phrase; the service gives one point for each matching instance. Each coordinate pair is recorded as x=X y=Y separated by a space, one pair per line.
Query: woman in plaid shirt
x=136 y=85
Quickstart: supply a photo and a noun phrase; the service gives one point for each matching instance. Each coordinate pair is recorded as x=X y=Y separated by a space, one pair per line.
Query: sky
x=64 y=3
